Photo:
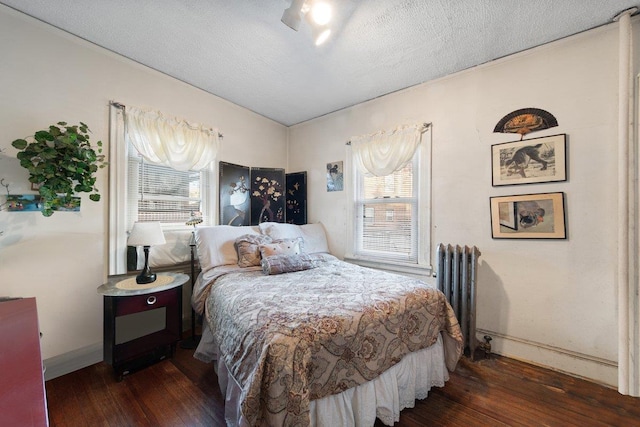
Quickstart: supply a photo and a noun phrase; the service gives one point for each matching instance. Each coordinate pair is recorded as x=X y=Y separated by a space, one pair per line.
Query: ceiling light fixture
x=292 y=15
x=316 y=12
x=321 y=12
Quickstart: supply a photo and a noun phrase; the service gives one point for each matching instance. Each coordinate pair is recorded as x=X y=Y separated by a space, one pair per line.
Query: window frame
x=383 y=205
x=118 y=194
x=422 y=220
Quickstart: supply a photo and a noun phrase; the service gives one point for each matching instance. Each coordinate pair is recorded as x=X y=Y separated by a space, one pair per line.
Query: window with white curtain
x=391 y=213
x=161 y=193
x=166 y=190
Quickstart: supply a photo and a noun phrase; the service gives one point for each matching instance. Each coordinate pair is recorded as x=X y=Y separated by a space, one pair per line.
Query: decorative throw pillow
x=282 y=247
x=315 y=239
x=248 y=248
x=278 y=264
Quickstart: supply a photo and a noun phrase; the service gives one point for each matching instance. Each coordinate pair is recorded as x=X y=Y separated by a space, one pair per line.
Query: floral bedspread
x=295 y=337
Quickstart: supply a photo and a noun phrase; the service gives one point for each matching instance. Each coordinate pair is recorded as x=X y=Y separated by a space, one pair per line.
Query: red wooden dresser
x=22 y=393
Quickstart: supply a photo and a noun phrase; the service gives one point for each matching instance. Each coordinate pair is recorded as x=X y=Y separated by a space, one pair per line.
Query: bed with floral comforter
x=292 y=338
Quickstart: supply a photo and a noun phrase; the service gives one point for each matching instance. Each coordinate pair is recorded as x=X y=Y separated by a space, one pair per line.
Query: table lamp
x=146 y=234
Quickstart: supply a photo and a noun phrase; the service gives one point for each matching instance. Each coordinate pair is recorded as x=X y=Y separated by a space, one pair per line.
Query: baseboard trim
x=570 y=362
x=72 y=361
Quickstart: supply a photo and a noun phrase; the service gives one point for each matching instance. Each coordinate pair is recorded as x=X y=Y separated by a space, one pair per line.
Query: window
x=160 y=193
x=391 y=215
x=142 y=191
x=388 y=206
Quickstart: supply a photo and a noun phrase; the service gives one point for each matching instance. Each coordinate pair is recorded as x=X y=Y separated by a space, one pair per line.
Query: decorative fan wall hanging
x=526 y=120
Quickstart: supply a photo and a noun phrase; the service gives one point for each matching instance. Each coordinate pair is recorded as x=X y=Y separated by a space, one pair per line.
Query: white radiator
x=456 y=278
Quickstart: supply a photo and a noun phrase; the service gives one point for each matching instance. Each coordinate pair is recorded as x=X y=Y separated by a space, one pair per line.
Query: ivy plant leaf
x=43 y=135
x=95 y=197
x=55 y=131
x=20 y=144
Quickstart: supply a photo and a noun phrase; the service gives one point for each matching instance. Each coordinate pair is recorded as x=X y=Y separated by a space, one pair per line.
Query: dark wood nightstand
x=142 y=323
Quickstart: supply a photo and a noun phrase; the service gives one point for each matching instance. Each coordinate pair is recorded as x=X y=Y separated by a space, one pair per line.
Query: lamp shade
x=146 y=234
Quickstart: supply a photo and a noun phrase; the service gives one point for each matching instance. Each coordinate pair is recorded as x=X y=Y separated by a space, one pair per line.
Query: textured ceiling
x=239 y=50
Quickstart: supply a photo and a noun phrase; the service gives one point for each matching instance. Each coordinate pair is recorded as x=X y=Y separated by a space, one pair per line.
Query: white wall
x=549 y=302
x=47 y=76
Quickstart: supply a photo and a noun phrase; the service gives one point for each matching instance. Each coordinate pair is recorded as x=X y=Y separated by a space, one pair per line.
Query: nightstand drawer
x=138 y=303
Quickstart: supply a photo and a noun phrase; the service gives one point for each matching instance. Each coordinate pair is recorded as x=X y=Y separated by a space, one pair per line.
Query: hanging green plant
x=63 y=162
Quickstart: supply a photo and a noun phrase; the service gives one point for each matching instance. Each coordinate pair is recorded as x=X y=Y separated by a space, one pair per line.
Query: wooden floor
x=183 y=392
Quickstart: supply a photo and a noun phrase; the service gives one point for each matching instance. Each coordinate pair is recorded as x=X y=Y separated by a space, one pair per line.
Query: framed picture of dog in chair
x=529 y=161
x=528 y=216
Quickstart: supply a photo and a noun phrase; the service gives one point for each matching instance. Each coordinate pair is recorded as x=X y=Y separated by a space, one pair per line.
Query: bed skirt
x=383 y=397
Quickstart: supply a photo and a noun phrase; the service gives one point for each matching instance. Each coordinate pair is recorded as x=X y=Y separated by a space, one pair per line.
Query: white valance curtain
x=170 y=141
x=385 y=152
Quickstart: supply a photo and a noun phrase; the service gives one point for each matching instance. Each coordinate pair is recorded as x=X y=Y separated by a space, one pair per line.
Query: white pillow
x=315 y=239
x=215 y=244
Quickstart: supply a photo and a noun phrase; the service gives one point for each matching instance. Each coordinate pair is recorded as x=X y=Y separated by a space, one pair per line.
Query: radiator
x=456 y=278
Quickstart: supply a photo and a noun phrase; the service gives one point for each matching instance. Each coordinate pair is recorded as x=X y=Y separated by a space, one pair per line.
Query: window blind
x=387 y=209
x=161 y=193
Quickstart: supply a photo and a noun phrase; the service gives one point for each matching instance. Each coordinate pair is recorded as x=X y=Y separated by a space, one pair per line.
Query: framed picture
x=528 y=216
x=335 y=177
x=33 y=203
x=234 y=192
x=296 y=197
x=529 y=161
x=267 y=195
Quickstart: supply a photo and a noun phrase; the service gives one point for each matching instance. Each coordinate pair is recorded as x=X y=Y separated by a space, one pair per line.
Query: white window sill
x=415 y=270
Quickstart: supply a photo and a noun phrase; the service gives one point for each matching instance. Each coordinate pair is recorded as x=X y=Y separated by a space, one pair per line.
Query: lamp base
x=145 y=277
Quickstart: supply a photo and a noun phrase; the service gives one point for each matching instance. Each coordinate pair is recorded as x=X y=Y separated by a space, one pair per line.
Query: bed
x=302 y=338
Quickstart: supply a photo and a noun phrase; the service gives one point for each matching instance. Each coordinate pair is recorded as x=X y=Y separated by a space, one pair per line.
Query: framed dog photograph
x=529 y=161
x=528 y=216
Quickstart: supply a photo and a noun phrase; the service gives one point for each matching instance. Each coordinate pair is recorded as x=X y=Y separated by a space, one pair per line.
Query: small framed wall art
x=335 y=177
x=528 y=216
x=529 y=161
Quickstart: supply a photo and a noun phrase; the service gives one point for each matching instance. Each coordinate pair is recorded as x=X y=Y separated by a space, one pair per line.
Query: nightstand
x=142 y=323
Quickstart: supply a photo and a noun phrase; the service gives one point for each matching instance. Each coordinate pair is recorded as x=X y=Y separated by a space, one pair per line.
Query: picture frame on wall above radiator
x=528 y=216
x=529 y=161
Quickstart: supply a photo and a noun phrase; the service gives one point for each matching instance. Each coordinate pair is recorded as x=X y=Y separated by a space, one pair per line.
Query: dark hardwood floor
x=182 y=391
